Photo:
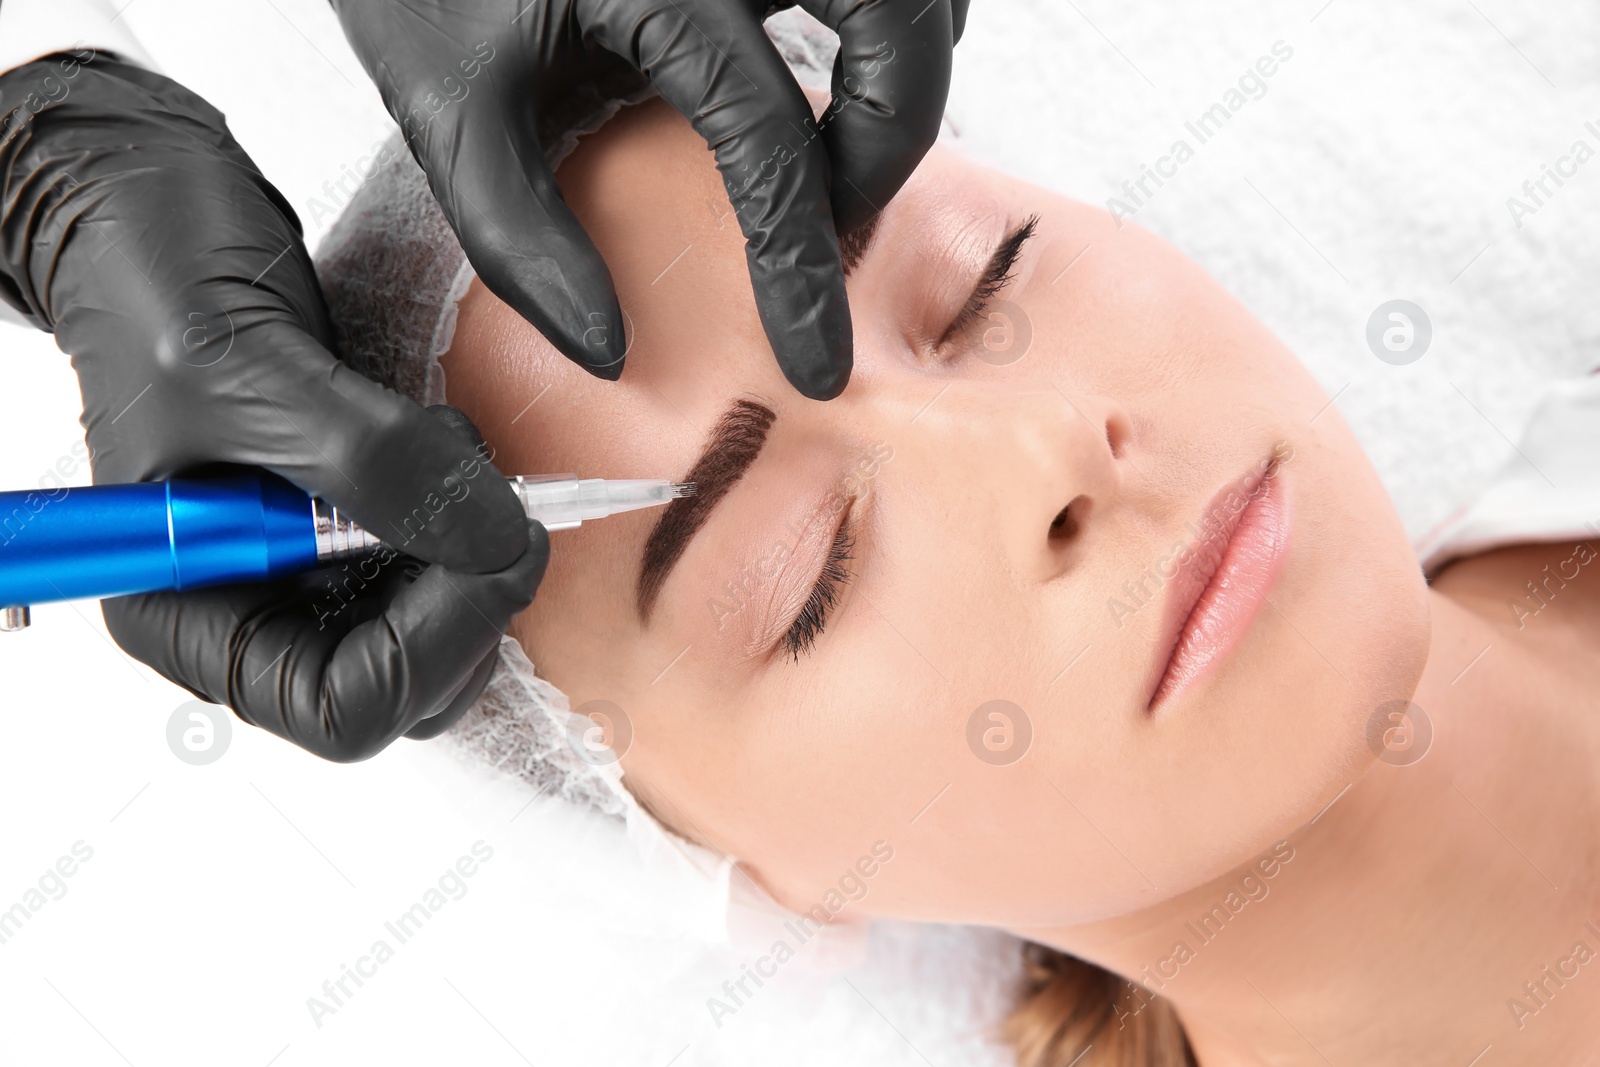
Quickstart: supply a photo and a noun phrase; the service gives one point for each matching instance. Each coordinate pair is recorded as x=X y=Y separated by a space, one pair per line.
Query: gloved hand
x=470 y=82
x=174 y=274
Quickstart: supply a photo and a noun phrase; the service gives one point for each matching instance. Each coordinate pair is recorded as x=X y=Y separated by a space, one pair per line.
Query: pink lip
x=1222 y=581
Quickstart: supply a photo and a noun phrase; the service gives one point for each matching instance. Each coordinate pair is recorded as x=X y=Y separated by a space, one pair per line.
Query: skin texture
x=1145 y=388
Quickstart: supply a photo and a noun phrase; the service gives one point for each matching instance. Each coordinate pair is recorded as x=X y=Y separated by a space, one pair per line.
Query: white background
x=219 y=898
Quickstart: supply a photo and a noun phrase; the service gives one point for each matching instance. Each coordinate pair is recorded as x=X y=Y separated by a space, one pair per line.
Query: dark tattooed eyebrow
x=853 y=245
x=733 y=446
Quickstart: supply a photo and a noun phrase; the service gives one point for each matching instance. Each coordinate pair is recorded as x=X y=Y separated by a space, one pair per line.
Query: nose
x=1079 y=453
x=1048 y=466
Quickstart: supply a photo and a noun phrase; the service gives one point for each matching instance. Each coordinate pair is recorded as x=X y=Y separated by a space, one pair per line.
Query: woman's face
x=796 y=725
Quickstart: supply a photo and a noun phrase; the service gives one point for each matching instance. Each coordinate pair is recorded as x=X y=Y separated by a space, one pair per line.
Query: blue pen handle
x=112 y=540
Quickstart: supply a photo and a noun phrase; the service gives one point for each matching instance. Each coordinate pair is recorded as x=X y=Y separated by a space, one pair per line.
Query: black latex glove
x=134 y=227
x=472 y=82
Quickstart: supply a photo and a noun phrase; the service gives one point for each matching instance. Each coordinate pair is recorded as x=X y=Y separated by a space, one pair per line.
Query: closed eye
x=997 y=274
x=824 y=597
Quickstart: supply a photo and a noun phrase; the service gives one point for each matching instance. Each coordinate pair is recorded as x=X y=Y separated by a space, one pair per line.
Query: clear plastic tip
x=562 y=501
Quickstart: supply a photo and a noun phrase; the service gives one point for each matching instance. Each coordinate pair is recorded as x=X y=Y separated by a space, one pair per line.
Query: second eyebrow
x=734 y=444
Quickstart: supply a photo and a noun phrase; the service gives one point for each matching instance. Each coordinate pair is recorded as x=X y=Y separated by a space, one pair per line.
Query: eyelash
x=996 y=276
x=802 y=634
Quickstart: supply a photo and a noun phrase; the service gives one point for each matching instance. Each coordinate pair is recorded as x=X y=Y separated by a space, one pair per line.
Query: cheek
x=875 y=754
x=893 y=734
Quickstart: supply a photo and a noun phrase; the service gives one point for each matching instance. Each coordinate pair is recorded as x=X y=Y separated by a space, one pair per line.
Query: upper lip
x=1193 y=578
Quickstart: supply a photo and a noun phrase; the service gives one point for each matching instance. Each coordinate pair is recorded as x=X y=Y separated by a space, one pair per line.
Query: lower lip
x=1233 y=597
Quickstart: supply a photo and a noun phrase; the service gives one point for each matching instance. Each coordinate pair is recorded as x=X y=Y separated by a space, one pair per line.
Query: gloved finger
x=958 y=19
x=341 y=678
x=403 y=474
x=434 y=725
x=488 y=172
x=725 y=76
x=460 y=423
x=890 y=82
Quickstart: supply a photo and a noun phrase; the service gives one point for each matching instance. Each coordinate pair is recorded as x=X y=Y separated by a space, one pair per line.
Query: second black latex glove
x=136 y=228
x=473 y=82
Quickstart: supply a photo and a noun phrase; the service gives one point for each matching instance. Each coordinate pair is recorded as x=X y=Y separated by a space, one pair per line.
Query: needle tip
x=682 y=489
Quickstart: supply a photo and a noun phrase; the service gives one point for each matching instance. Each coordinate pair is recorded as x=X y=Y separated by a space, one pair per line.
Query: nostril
x=1065 y=525
x=1117 y=433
